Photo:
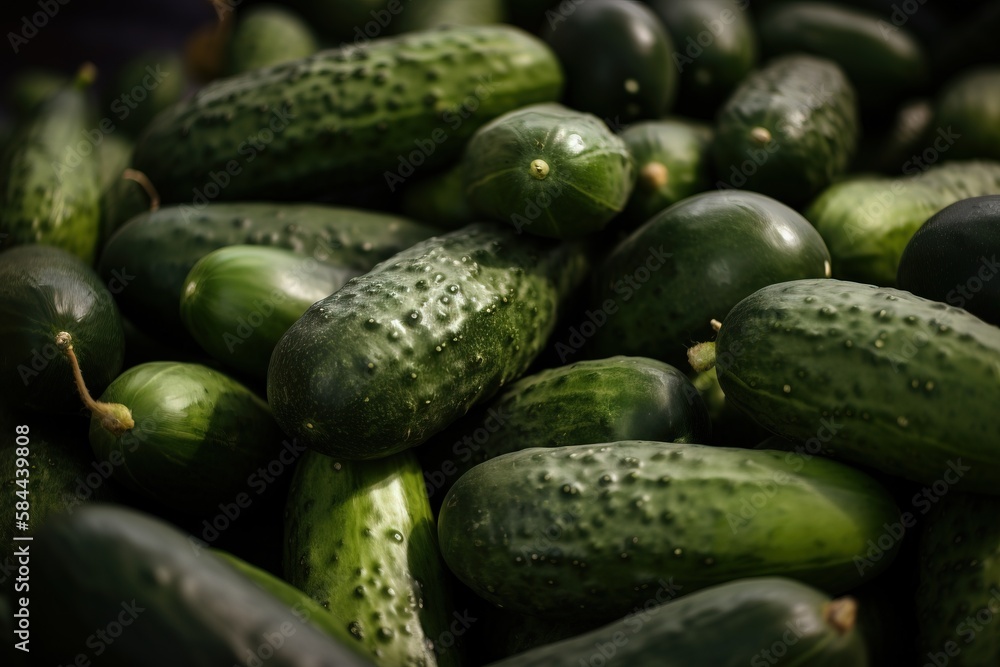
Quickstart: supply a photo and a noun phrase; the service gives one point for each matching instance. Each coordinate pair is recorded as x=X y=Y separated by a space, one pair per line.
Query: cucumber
x=616 y=55
x=661 y=287
x=45 y=290
x=883 y=65
x=147 y=84
x=438 y=199
x=345 y=117
x=549 y=171
x=60 y=476
x=399 y=353
x=360 y=540
x=239 y=301
x=755 y=621
x=715 y=48
x=436 y=13
x=169 y=603
x=267 y=35
x=969 y=106
x=50 y=192
x=730 y=425
x=867 y=221
x=590 y=531
x=620 y=398
x=953 y=257
x=30 y=87
x=788 y=130
x=959 y=587
x=303 y=606
x=181 y=434
x=147 y=260
x=897 y=382
x=673 y=161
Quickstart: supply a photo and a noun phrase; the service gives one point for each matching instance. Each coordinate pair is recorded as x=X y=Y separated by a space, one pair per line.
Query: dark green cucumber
x=756 y=621
x=788 y=130
x=549 y=171
x=61 y=474
x=267 y=35
x=195 y=438
x=959 y=591
x=346 y=116
x=969 y=106
x=146 y=85
x=303 y=606
x=590 y=531
x=883 y=65
x=360 y=540
x=239 y=301
x=45 y=290
x=397 y=354
x=897 y=382
x=661 y=287
x=50 y=191
x=867 y=221
x=953 y=257
x=437 y=13
x=715 y=48
x=147 y=260
x=113 y=571
x=620 y=398
x=438 y=199
x=616 y=55
x=730 y=425
x=672 y=160
x=30 y=87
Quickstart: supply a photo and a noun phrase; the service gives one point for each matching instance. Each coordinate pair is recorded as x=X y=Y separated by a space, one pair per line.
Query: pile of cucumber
x=580 y=333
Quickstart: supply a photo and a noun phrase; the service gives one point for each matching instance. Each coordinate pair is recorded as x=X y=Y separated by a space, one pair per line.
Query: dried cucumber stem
x=115 y=417
x=147 y=185
x=702 y=357
x=841 y=614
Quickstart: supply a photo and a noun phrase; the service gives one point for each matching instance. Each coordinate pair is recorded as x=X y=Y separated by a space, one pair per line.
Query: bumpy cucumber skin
x=809 y=110
x=589 y=531
x=709 y=251
x=184 y=607
x=239 y=301
x=867 y=222
x=198 y=434
x=360 y=540
x=344 y=117
x=149 y=258
x=969 y=105
x=883 y=65
x=589 y=177
x=50 y=191
x=267 y=35
x=729 y=625
x=909 y=383
x=682 y=148
x=303 y=606
x=619 y=398
x=960 y=577
x=45 y=290
x=397 y=354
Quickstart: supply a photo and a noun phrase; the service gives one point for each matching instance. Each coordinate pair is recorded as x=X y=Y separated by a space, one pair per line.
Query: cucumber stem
x=115 y=417
x=147 y=185
x=702 y=356
x=653 y=176
x=841 y=614
x=539 y=168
